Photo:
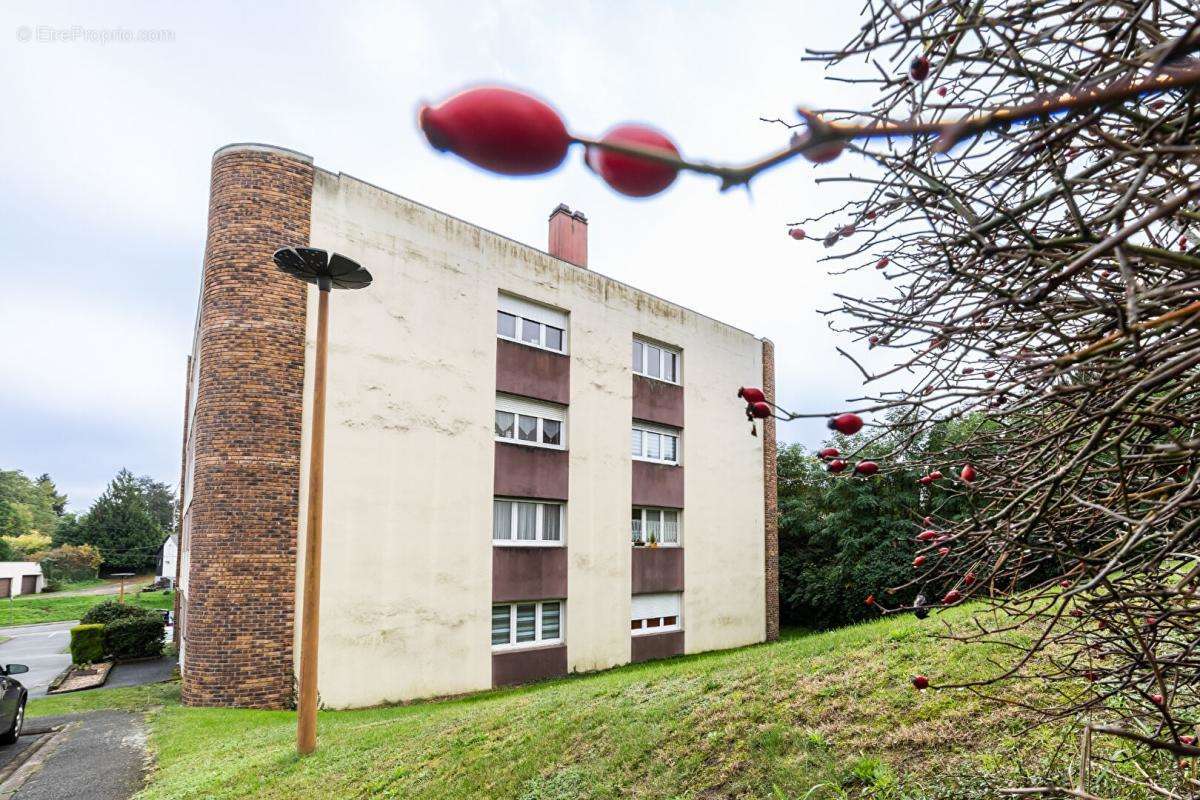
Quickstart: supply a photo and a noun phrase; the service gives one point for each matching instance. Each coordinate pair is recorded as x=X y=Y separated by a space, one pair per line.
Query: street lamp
x=327 y=272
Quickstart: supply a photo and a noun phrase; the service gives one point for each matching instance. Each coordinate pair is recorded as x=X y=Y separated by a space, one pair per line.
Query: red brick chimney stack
x=568 y=235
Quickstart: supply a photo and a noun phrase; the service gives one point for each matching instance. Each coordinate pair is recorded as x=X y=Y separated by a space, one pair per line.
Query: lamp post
x=326 y=272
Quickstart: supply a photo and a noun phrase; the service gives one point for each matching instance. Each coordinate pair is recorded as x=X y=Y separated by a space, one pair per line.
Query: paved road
x=43 y=648
x=102 y=756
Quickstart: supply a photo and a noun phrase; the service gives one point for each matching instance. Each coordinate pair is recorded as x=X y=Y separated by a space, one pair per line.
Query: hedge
x=135 y=637
x=110 y=611
x=87 y=644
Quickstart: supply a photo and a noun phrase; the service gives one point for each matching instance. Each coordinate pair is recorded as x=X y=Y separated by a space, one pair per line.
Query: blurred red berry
x=918 y=561
x=828 y=452
x=751 y=394
x=941 y=91
x=927 y=536
x=968 y=579
x=836 y=466
x=631 y=175
x=936 y=475
x=847 y=424
x=968 y=473
x=824 y=152
x=499 y=129
x=943 y=551
x=796 y=233
x=881 y=263
x=952 y=597
x=918 y=68
x=870 y=599
x=866 y=468
x=921 y=682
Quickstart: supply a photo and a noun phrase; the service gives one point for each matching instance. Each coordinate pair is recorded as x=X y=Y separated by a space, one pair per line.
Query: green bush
x=110 y=611
x=135 y=637
x=87 y=644
x=70 y=563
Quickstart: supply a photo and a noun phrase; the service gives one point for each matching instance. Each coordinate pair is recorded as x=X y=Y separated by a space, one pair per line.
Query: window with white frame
x=655 y=361
x=654 y=443
x=527 y=522
x=656 y=526
x=523 y=421
x=531 y=323
x=655 y=613
x=527 y=624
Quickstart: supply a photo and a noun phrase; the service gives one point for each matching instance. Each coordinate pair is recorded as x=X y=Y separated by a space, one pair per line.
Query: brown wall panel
x=657 y=485
x=522 y=666
x=652 y=646
x=657 y=569
x=538 y=472
x=657 y=401
x=528 y=573
x=532 y=372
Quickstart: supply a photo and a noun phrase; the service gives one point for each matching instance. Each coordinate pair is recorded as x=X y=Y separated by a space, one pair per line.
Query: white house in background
x=20 y=577
x=166 y=557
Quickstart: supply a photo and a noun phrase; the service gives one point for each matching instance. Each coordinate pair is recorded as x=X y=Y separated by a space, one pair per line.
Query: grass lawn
x=34 y=608
x=828 y=715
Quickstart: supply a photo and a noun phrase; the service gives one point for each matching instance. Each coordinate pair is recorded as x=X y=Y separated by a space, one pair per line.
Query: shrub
x=26 y=544
x=135 y=637
x=70 y=563
x=87 y=644
x=111 y=611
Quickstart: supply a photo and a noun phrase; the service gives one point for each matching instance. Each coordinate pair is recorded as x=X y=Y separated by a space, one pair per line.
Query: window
x=655 y=613
x=531 y=323
x=527 y=522
x=527 y=624
x=652 y=443
x=660 y=525
x=530 y=422
x=655 y=361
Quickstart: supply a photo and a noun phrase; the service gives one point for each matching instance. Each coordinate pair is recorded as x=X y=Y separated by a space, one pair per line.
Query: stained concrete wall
x=406 y=585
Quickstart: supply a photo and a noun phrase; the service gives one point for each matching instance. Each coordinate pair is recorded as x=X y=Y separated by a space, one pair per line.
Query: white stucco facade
x=407 y=564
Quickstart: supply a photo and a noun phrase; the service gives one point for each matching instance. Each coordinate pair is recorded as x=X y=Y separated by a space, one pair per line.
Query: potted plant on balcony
x=653 y=539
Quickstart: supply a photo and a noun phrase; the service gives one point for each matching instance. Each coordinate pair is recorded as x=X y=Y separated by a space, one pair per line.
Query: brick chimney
x=568 y=235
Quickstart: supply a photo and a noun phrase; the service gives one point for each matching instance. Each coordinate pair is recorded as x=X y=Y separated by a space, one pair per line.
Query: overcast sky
x=106 y=146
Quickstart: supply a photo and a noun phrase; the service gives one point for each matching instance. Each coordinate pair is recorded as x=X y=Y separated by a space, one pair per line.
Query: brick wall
x=181 y=499
x=770 y=495
x=241 y=593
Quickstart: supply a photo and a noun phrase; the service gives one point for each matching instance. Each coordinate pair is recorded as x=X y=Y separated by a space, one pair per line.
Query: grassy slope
x=768 y=721
x=31 y=609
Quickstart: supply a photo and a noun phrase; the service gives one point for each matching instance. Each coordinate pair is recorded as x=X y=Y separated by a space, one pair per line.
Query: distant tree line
x=125 y=525
x=844 y=537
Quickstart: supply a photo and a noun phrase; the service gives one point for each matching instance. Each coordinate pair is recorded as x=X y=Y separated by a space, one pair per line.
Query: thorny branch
x=1044 y=290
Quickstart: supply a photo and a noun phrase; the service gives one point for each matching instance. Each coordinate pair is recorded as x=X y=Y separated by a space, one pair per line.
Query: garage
x=5 y=587
x=29 y=584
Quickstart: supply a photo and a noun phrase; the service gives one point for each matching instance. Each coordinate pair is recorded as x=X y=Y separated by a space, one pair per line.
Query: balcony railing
x=662 y=532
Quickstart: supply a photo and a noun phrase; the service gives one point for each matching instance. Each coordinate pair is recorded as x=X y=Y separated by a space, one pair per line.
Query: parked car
x=12 y=703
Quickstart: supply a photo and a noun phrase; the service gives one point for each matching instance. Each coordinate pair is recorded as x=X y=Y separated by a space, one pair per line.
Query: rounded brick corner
x=238 y=630
x=258 y=147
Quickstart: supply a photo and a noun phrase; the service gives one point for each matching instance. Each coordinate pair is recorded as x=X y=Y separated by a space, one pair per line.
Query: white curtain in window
x=668 y=452
x=526 y=521
x=653 y=443
x=670 y=527
x=502 y=519
x=551 y=522
x=635 y=442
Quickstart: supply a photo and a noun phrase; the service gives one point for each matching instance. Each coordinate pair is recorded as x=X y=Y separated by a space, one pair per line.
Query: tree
x=27 y=506
x=1032 y=202
x=120 y=525
x=160 y=501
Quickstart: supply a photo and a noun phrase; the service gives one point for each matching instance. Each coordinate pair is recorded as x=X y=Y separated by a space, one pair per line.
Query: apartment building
x=530 y=469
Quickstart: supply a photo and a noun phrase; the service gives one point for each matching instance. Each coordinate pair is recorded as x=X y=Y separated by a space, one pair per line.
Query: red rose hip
x=499 y=129
x=866 y=468
x=836 y=466
x=751 y=394
x=760 y=410
x=828 y=452
x=921 y=682
x=631 y=175
x=847 y=424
